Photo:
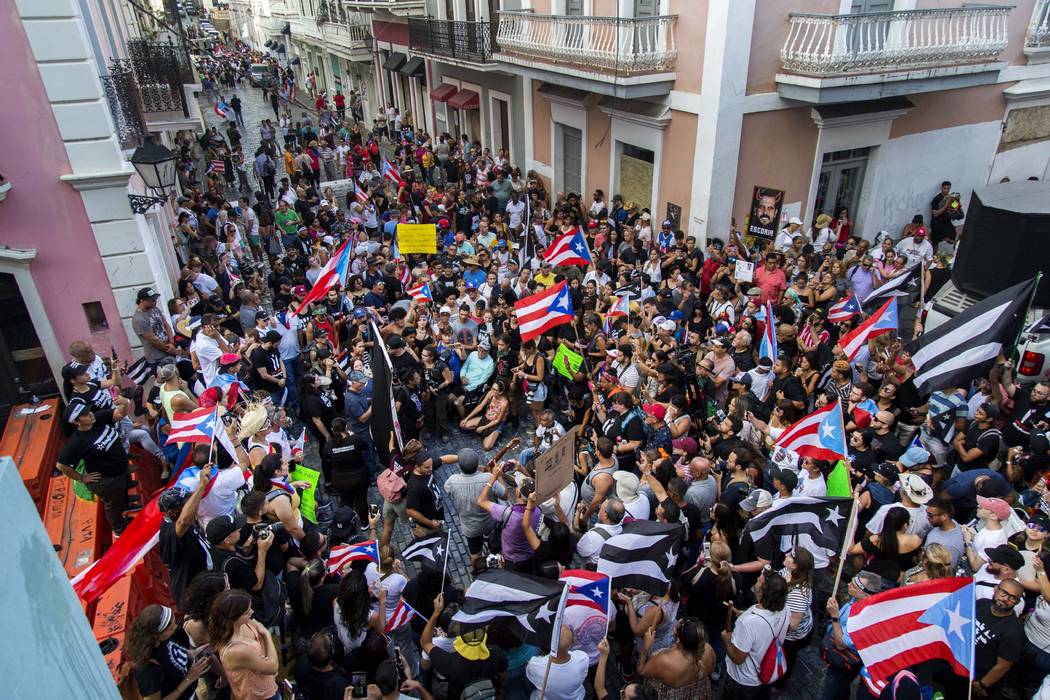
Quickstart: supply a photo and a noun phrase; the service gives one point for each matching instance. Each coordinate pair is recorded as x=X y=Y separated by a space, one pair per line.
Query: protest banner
x=416 y=238
x=764 y=218
x=306 y=502
x=745 y=271
x=554 y=468
x=572 y=358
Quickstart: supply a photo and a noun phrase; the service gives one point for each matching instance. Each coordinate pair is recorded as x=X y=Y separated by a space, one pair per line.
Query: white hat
x=445 y=310
x=759 y=498
x=668 y=326
x=915 y=488
x=645 y=216
x=795 y=220
x=324 y=202
x=626 y=486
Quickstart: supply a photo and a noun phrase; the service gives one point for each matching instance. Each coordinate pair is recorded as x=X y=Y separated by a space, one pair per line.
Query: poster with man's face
x=764 y=219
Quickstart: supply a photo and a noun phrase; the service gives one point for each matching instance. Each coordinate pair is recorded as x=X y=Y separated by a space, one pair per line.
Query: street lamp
x=155 y=164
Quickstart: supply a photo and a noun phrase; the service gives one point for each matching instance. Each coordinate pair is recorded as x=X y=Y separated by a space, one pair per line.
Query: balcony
x=632 y=57
x=398 y=8
x=863 y=56
x=164 y=79
x=337 y=29
x=1037 y=39
x=457 y=42
x=125 y=105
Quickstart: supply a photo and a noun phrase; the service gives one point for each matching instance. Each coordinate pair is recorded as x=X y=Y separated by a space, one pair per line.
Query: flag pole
x=444 y=566
x=851 y=529
x=555 y=637
x=214 y=429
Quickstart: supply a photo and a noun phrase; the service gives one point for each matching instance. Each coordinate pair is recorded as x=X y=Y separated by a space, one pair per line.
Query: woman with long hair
x=345 y=453
x=163 y=668
x=196 y=604
x=711 y=587
x=726 y=528
x=353 y=614
x=282 y=500
x=682 y=670
x=893 y=543
x=246 y=649
x=798 y=572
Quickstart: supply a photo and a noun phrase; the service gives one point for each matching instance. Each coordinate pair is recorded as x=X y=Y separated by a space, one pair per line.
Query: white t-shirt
x=393 y=584
x=222 y=498
x=564 y=682
x=753 y=634
x=638 y=508
x=208 y=354
x=547 y=436
x=918 y=525
x=784 y=239
x=514 y=213
x=288 y=347
x=986 y=539
x=916 y=252
x=811 y=487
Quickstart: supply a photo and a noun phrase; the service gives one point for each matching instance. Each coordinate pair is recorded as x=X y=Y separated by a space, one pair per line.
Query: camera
x=272 y=528
x=494 y=561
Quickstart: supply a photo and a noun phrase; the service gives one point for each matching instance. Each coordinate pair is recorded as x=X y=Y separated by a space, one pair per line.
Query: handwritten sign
x=306 y=503
x=417 y=238
x=745 y=271
x=554 y=468
x=566 y=356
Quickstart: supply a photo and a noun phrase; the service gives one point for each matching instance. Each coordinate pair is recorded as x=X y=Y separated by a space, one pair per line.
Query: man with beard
x=1031 y=409
x=999 y=638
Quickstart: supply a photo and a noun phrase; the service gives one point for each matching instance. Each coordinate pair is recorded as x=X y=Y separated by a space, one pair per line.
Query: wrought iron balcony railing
x=876 y=42
x=1038 y=36
x=467 y=41
x=124 y=104
x=161 y=71
x=627 y=46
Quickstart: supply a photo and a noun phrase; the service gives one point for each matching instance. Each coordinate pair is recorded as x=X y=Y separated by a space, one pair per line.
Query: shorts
x=537 y=393
x=497 y=430
x=398 y=509
x=475 y=544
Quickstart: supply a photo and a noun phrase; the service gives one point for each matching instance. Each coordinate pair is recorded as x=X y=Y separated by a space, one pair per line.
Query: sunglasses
x=1038 y=527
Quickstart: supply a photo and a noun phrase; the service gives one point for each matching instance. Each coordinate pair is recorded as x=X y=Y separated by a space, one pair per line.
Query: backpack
x=391 y=485
x=269 y=169
x=774 y=664
x=481 y=689
x=495 y=537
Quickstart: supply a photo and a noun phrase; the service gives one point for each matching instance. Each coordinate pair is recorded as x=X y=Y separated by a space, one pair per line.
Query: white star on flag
x=546 y=613
x=834 y=516
x=671 y=560
x=957 y=621
x=828 y=430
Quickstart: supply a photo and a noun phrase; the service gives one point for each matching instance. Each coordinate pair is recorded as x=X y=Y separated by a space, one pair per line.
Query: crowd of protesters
x=677 y=410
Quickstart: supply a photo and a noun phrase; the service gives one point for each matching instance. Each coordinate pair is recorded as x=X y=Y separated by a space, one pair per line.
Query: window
x=96 y=317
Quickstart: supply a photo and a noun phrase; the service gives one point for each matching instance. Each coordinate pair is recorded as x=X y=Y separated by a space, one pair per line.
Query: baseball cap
x=146 y=294
x=759 y=498
x=754 y=292
x=344 y=520
x=220 y=528
x=445 y=310
x=914 y=456
x=1006 y=555
x=356 y=376
x=360 y=313
x=271 y=337
x=73 y=370
x=172 y=498
x=741 y=378
x=299 y=290
x=990 y=409
x=395 y=341
x=999 y=508
x=229 y=358
x=262 y=315
x=795 y=220
x=655 y=410
x=75 y=409
x=667 y=223
x=888 y=471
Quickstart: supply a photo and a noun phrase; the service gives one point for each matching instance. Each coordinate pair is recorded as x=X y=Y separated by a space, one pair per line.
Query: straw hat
x=255 y=418
x=822 y=220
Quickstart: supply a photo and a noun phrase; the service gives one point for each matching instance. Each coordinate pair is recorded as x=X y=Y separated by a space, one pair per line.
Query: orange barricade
x=32 y=438
x=117 y=607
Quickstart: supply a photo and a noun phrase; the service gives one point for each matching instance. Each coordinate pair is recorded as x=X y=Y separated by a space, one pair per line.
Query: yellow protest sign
x=417 y=238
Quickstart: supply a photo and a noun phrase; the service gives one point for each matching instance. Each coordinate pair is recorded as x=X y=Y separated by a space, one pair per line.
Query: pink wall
x=768 y=35
x=677 y=164
x=41 y=211
x=1017 y=23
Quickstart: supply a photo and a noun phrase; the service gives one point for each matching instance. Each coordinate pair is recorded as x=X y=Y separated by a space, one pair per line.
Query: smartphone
x=358 y=685
x=373 y=510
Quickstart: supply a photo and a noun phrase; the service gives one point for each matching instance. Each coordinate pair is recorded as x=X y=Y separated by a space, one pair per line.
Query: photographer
x=245 y=565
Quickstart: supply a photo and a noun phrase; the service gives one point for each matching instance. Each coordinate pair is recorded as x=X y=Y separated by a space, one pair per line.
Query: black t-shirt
x=1024 y=417
x=402 y=362
x=625 y=428
x=316 y=406
x=985 y=439
x=995 y=638
x=790 y=385
x=269 y=360
x=239 y=570
x=166 y=668
x=319 y=685
x=411 y=410
x=704 y=601
x=320 y=615
x=346 y=455
x=100 y=447
x=99 y=399
x=460 y=671
x=887 y=447
x=184 y=556
x=421 y=496
x=696 y=521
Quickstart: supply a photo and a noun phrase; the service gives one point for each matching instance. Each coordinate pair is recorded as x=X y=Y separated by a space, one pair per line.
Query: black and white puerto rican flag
x=138 y=372
x=431 y=549
x=643 y=556
x=906 y=284
x=967 y=346
x=806 y=520
x=529 y=605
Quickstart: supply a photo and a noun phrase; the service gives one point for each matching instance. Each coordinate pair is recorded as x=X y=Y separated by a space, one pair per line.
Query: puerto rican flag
x=402 y=615
x=621 y=307
x=343 y=554
x=421 y=292
x=541 y=312
x=359 y=193
x=902 y=627
x=569 y=249
x=767 y=346
x=390 y=173
x=334 y=273
x=588 y=589
x=141 y=535
x=223 y=110
x=845 y=309
x=405 y=276
x=195 y=426
x=820 y=435
x=882 y=321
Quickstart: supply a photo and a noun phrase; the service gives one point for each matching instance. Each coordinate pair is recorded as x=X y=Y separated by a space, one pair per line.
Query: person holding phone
x=245 y=647
x=163 y=668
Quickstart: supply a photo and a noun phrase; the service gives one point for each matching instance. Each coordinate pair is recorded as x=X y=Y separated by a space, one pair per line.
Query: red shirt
x=340 y=100
x=772 y=283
